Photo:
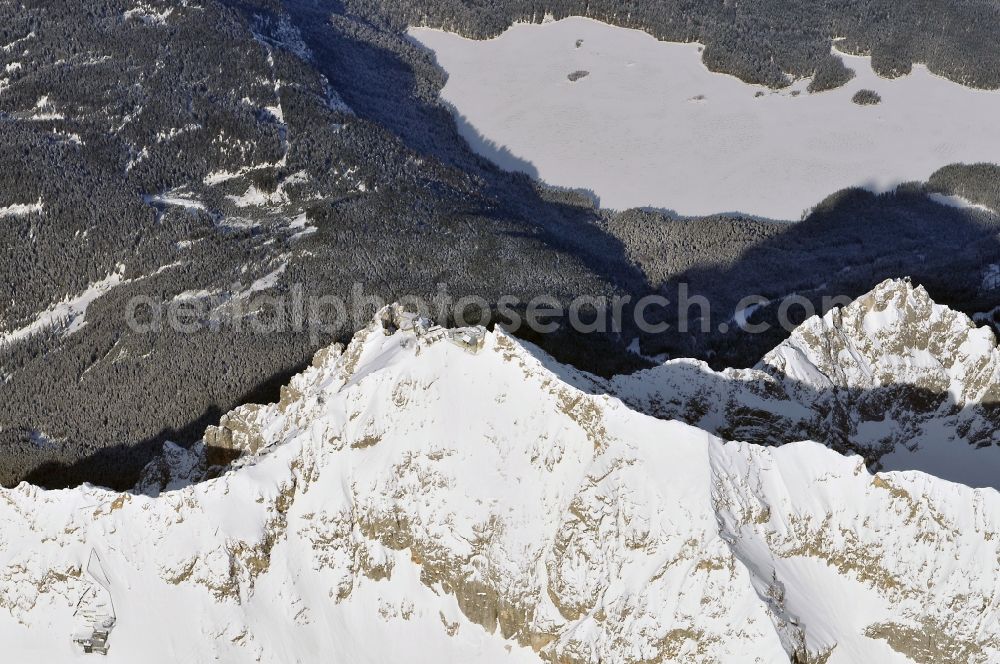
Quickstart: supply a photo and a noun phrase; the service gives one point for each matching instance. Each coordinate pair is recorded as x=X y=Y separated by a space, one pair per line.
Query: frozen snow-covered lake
x=650 y=126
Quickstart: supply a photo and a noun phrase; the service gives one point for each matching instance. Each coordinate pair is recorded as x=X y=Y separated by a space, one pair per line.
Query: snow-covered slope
x=905 y=382
x=643 y=123
x=429 y=496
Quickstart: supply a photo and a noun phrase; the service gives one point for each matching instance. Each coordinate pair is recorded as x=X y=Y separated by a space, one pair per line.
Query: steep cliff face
x=895 y=335
x=905 y=382
x=434 y=496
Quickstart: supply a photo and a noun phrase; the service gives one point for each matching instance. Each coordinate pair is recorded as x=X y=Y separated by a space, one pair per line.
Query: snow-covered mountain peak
x=457 y=490
x=893 y=376
x=894 y=335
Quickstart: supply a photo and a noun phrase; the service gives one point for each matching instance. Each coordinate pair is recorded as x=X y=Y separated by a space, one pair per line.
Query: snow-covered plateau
x=426 y=495
x=643 y=123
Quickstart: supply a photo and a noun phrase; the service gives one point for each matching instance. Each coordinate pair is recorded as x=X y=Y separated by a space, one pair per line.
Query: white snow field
x=416 y=498
x=70 y=312
x=651 y=126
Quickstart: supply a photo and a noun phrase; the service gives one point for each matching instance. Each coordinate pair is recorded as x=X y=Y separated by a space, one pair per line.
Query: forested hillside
x=758 y=41
x=231 y=152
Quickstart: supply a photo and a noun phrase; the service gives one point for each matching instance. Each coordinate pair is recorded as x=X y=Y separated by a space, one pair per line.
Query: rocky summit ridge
x=435 y=495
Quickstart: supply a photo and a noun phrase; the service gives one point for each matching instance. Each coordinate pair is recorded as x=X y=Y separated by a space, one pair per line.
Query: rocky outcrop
x=412 y=496
x=892 y=374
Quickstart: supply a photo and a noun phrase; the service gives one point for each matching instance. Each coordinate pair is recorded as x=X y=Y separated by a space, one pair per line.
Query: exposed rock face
x=893 y=376
x=895 y=335
x=414 y=498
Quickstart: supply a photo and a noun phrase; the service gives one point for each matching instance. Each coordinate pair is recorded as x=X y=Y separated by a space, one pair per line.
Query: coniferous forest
x=175 y=151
